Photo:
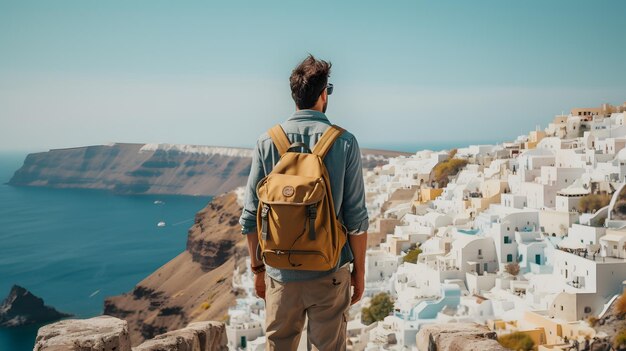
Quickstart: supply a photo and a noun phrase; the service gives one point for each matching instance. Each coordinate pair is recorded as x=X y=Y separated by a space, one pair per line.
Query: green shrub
x=593 y=202
x=620 y=305
x=380 y=307
x=512 y=268
x=619 y=342
x=448 y=168
x=517 y=341
x=412 y=255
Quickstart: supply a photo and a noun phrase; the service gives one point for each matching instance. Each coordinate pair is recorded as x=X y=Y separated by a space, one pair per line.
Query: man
x=291 y=295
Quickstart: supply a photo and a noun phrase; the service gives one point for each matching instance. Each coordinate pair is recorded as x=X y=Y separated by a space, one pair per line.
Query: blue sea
x=73 y=248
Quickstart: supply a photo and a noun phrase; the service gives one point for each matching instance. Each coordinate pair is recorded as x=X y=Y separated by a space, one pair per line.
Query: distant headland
x=128 y=168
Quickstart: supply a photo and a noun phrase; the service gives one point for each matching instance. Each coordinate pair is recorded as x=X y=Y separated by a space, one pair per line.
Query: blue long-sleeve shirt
x=343 y=162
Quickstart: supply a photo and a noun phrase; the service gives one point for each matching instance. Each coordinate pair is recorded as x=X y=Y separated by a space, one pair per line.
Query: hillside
x=195 y=285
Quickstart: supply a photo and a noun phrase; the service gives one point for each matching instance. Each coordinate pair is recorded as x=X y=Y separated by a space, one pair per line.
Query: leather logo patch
x=288 y=191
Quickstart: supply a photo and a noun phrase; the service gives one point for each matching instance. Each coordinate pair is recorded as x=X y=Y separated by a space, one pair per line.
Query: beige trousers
x=325 y=301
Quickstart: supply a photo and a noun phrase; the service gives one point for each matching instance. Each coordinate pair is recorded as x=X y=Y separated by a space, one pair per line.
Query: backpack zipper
x=293 y=252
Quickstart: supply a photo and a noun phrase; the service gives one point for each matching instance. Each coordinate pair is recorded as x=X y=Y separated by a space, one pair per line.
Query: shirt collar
x=308 y=115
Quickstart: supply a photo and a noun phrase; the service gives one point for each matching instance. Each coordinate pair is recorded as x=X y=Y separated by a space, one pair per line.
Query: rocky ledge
x=105 y=333
x=21 y=307
x=457 y=337
x=198 y=336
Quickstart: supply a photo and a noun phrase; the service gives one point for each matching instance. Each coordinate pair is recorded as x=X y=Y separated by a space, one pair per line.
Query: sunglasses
x=329 y=88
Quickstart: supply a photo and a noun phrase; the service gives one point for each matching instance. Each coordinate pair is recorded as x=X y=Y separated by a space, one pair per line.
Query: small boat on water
x=158 y=202
x=161 y=224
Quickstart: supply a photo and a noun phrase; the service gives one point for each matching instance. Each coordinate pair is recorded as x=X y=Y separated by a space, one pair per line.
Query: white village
x=526 y=237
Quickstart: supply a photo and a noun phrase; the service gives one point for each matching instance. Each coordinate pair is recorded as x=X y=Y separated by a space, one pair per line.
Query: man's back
x=293 y=296
x=344 y=166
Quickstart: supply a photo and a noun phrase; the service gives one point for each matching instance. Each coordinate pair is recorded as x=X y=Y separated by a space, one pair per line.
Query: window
x=561 y=307
x=507 y=240
x=509 y=258
x=480 y=252
x=587 y=309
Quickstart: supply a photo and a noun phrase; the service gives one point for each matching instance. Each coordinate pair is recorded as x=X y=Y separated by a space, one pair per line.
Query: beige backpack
x=298 y=228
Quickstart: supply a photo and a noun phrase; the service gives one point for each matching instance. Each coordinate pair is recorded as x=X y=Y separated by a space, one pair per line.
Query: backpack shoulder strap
x=326 y=141
x=279 y=138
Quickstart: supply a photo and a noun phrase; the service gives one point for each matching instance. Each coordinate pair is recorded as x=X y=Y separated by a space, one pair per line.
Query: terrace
x=592 y=255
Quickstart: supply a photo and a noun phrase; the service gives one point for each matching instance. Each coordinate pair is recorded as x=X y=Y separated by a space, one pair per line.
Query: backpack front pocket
x=295 y=230
x=285 y=189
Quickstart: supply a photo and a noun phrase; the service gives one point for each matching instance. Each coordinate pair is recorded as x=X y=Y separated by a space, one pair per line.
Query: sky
x=407 y=74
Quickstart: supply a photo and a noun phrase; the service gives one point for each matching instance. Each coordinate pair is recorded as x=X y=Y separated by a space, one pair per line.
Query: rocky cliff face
x=148 y=168
x=21 y=307
x=195 y=285
x=611 y=324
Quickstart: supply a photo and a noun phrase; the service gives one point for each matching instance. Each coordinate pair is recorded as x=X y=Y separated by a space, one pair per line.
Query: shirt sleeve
x=354 y=211
x=251 y=201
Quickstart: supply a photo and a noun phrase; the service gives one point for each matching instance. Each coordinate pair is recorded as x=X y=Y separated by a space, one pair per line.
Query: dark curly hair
x=308 y=80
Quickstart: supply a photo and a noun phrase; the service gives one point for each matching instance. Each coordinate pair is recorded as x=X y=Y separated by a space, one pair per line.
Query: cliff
x=195 y=285
x=148 y=168
x=21 y=307
x=138 y=169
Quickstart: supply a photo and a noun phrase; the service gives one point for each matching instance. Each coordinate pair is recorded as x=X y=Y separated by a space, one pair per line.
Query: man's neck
x=312 y=108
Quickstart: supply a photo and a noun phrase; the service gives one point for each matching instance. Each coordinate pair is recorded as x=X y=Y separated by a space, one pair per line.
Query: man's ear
x=324 y=96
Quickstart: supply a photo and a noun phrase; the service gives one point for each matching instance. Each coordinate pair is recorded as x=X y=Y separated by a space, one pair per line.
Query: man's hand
x=357 y=280
x=358 y=244
x=259 y=284
x=259 y=278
